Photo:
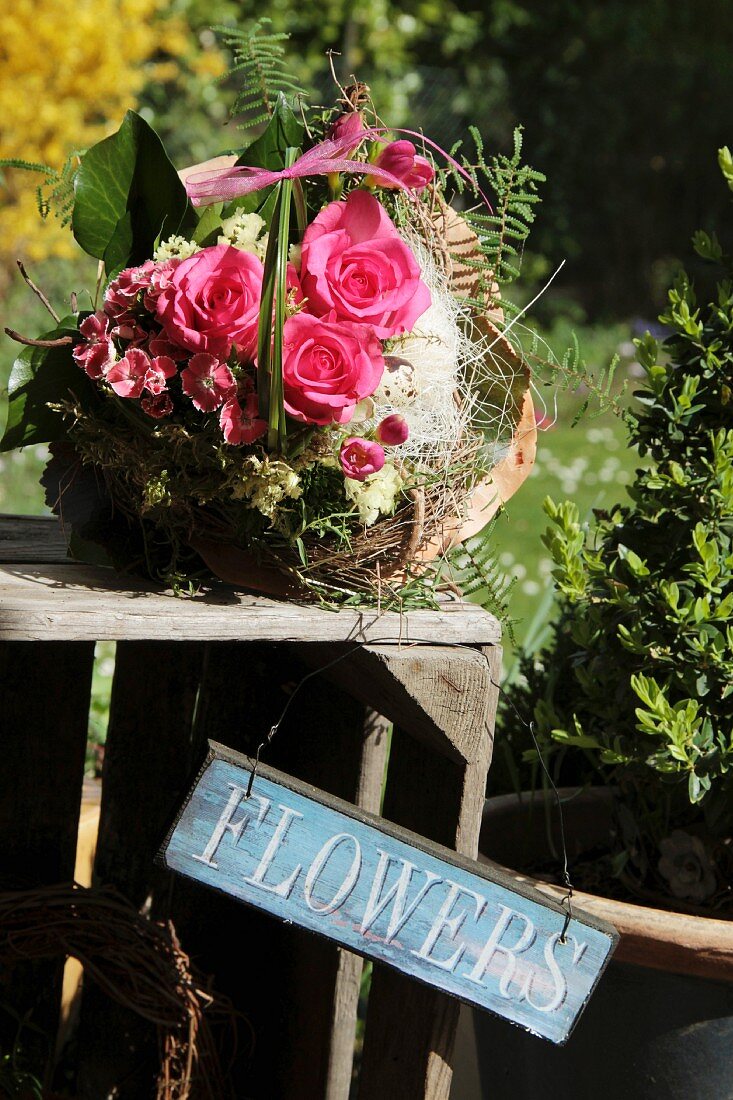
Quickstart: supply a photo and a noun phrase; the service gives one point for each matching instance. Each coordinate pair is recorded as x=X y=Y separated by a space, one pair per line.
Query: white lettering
x=284 y=888
x=558 y=978
x=494 y=946
x=225 y=823
x=397 y=894
x=444 y=921
x=318 y=865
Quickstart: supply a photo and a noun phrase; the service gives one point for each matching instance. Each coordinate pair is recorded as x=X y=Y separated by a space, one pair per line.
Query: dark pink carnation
x=360 y=458
x=160 y=370
x=328 y=367
x=400 y=159
x=240 y=421
x=123 y=293
x=158 y=406
x=161 y=345
x=127 y=376
x=355 y=263
x=207 y=381
x=97 y=351
x=160 y=277
x=212 y=301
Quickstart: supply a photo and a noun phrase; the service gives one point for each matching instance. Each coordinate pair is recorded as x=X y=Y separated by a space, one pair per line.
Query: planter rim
x=658 y=938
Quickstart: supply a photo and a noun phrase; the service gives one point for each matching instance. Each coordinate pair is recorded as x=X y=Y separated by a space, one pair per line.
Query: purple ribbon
x=226 y=184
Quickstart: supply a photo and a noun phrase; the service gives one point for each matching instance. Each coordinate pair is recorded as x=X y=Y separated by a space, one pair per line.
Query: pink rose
x=207 y=382
x=360 y=458
x=212 y=301
x=328 y=367
x=393 y=430
x=355 y=263
x=401 y=160
x=241 y=423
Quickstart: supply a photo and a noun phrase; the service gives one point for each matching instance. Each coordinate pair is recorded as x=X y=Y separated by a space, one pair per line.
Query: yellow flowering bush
x=67 y=74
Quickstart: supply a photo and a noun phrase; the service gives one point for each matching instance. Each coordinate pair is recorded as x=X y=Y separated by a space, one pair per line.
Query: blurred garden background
x=621 y=105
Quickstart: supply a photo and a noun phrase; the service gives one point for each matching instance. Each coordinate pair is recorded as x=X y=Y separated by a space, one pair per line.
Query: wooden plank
x=37 y=539
x=43 y=732
x=83 y=603
x=149 y=755
x=439 y=693
x=347 y=986
x=320 y=863
x=410 y=1031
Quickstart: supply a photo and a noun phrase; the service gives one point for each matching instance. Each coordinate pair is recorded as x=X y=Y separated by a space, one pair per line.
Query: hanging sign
x=390 y=895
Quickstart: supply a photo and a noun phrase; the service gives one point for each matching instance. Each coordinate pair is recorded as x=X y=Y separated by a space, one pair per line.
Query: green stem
x=301 y=209
x=280 y=222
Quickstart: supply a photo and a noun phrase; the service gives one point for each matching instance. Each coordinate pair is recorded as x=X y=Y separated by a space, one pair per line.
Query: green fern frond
x=570 y=372
x=25 y=165
x=259 y=66
x=482 y=579
x=513 y=188
x=57 y=190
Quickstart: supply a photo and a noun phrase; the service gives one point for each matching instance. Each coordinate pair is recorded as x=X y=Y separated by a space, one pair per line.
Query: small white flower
x=175 y=248
x=243 y=231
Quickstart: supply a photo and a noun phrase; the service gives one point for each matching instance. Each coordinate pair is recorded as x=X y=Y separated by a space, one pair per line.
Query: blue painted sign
x=387 y=894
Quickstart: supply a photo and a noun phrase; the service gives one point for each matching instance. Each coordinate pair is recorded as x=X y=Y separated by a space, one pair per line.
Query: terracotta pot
x=659 y=1025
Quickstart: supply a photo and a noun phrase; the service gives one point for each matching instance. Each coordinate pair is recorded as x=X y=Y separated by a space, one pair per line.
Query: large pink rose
x=355 y=263
x=211 y=301
x=328 y=367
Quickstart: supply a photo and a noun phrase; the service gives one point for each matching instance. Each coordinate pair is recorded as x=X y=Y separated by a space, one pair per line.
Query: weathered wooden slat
x=37 y=539
x=410 y=1030
x=43 y=731
x=423 y=689
x=81 y=603
x=149 y=756
x=347 y=985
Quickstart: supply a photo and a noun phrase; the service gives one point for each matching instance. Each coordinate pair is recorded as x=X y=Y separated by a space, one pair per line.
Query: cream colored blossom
x=243 y=230
x=377 y=495
x=175 y=248
x=266 y=482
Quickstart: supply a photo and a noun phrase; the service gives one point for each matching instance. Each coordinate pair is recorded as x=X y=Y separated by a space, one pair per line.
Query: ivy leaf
x=128 y=196
x=40 y=376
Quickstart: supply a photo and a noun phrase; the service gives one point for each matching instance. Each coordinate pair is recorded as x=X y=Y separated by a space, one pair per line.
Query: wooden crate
x=220 y=666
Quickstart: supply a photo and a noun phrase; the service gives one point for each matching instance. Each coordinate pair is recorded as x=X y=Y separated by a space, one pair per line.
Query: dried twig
x=58 y=343
x=37 y=291
x=136 y=962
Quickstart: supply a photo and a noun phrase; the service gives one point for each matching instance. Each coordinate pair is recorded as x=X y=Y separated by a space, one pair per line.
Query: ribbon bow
x=329 y=156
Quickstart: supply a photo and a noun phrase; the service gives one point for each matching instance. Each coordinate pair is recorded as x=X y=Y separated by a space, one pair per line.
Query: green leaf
x=39 y=376
x=128 y=195
x=209 y=224
x=284 y=131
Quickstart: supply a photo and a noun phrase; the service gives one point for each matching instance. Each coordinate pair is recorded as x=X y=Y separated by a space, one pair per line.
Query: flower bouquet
x=294 y=371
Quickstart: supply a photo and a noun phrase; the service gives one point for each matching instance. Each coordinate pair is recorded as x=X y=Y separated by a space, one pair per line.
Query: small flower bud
x=393 y=430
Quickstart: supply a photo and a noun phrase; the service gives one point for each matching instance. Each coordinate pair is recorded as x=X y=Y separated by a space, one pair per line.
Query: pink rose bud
x=360 y=458
x=393 y=430
x=400 y=159
x=348 y=125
